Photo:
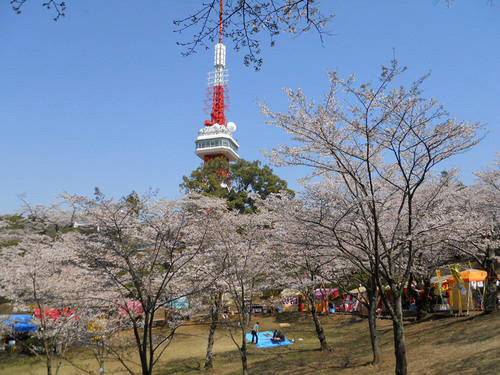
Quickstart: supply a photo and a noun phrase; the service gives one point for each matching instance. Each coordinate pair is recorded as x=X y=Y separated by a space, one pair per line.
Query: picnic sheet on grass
x=265 y=340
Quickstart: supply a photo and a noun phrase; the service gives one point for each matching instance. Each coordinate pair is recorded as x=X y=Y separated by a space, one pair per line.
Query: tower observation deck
x=215 y=139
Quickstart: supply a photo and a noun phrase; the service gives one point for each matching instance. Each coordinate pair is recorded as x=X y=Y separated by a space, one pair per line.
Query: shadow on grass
x=469 y=330
x=483 y=363
x=290 y=317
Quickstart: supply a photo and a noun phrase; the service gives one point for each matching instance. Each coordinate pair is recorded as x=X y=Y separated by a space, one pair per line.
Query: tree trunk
x=491 y=290
x=399 y=338
x=49 y=364
x=214 y=315
x=427 y=291
x=243 y=353
x=372 y=323
x=423 y=305
x=145 y=352
x=144 y=361
x=319 y=329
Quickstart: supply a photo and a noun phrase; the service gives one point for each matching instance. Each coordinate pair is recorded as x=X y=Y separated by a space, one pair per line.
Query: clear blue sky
x=104 y=97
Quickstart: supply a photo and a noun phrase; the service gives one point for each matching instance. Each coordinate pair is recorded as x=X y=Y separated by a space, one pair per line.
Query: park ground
x=448 y=345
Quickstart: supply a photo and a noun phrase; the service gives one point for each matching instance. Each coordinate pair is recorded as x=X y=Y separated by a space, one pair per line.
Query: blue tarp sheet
x=20 y=323
x=265 y=340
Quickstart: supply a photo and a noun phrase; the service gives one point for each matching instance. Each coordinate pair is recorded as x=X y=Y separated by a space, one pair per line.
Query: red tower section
x=218 y=79
x=218 y=106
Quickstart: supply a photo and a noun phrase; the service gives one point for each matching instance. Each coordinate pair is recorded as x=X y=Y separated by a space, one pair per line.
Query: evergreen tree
x=234 y=182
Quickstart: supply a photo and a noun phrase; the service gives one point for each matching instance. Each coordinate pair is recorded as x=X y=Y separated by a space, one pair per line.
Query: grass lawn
x=467 y=345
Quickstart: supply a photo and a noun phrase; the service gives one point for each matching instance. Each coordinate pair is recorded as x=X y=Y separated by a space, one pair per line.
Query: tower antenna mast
x=221 y=12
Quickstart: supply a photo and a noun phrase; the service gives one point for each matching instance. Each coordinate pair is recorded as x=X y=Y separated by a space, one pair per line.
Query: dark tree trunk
x=491 y=290
x=49 y=365
x=399 y=338
x=243 y=353
x=144 y=345
x=214 y=316
x=372 y=323
x=426 y=302
x=423 y=305
x=319 y=329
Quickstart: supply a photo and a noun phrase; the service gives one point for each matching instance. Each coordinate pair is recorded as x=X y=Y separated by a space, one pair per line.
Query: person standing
x=255 y=330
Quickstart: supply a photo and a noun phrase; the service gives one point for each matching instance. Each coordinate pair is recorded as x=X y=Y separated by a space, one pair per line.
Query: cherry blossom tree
x=240 y=242
x=211 y=299
x=48 y=283
x=215 y=306
x=332 y=247
x=39 y=276
x=297 y=257
x=145 y=254
x=380 y=144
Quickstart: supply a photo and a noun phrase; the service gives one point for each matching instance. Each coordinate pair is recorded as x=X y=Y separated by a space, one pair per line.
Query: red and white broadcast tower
x=216 y=139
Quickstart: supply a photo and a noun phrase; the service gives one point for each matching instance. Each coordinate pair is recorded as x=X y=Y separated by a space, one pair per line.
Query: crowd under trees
x=374 y=210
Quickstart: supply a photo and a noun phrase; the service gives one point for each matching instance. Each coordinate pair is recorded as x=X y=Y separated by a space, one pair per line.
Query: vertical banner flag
x=440 y=282
x=455 y=271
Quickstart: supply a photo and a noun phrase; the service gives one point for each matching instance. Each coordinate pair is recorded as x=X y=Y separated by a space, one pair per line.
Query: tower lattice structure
x=216 y=139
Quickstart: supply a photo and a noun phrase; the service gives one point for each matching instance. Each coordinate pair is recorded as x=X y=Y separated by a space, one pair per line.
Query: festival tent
x=97 y=328
x=471 y=275
x=354 y=304
x=181 y=303
x=322 y=296
x=326 y=292
x=434 y=281
x=133 y=307
x=20 y=323
x=54 y=313
x=290 y=299
x=461 y=293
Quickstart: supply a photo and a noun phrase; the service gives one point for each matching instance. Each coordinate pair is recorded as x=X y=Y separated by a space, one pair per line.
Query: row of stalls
x=18 y=324
x=327 y=300
x=15 y=328
x=459 y=292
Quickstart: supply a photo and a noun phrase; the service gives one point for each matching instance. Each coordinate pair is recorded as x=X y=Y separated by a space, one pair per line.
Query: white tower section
x=220 y=56
x=219 y=76
x=217 y=140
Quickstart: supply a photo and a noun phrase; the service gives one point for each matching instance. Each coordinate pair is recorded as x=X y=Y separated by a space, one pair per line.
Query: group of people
x=278 y=335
